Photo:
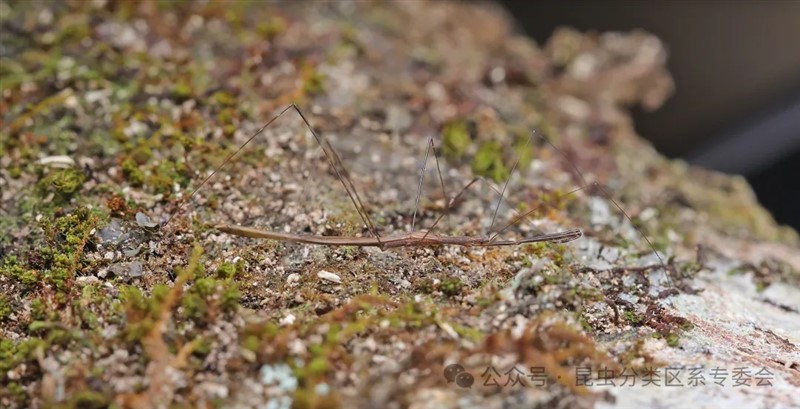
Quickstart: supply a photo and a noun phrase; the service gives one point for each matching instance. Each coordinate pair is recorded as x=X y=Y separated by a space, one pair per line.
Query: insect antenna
x=594 y=186
x=184 y=200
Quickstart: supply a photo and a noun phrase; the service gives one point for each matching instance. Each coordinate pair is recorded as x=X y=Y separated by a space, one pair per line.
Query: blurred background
x=736 y=65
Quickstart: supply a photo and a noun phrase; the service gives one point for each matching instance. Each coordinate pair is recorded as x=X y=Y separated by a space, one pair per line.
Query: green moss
x=672 y=339
x=66 y=236
x=228 y=271
x=142 y=154
x=86 y=400
x=632 y=318
x=132 y=173
x=163 y=179
x=470 y=333
x=64 y=182
x=17 y=392
x=193 y=306
x=456 y=140
x=313 y=82
x=38 y=311
x=182 y=91
x=451 y=286
x=251 y=343
x=318 y=366
x=223 y=98
x=5 y=307
x=271 y=27
x=208 y=295
x=14 y=270
x=13 y=354
x=229 y=130
x=141 y=312
x=584 y=323
x=489 y=162
x=15 y=171
x=230 y=297
x=59 y=278
x=201 y=347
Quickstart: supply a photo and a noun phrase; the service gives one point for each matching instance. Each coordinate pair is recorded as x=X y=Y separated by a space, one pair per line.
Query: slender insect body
x=419 y=238
x=412 y=239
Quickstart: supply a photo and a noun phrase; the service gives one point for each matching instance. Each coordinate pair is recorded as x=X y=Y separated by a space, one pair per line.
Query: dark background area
x=736 y=65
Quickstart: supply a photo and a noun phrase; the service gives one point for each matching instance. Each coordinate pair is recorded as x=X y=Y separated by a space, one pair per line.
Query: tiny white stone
x=328 y=276
x=448 y=330
x=59 y=161
x=287 y=320
x=84 y=280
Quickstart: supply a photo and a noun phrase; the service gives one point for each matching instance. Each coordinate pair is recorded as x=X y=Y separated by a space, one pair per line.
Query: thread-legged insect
x=413 y=238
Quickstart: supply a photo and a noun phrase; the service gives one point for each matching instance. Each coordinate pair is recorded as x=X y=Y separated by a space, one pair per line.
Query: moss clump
x=164 y=177
x=207 y=297
x=12 y=354
x=182 y=91
x=141 y=312
x=317 y=367
x=14 y=270
x=251 y=343
x=132 y=173
x=313 y=82
x=271 y=27
x=228 y=271
x=553 y=252
x=5 y=308
x=17 y=392
x=633 y=319
x=456 y=140
x=488 y=162
x=64 y=182
x=89 y=400
x=223 y=98
x=38 y=310
x=451 y=286
x=672 y=338
x=65 y=237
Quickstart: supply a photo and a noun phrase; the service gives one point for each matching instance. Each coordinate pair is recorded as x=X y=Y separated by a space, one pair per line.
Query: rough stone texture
x=112 y=112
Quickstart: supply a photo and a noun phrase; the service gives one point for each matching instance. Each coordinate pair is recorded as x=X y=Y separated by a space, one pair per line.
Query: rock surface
x=117 y=288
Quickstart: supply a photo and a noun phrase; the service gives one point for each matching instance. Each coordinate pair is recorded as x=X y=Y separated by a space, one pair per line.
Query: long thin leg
x=431 y=147
x=505 y=185
x=608 y=196
x=342 y=174
x=441 y=183
x=542 y=237
x=531 y=211
x=183 y=201
x=330 y=154
x=428 y=147
x=458 y=196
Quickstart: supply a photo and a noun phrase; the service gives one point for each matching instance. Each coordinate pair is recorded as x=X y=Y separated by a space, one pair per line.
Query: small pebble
x=287 y=320
x=328 y=276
